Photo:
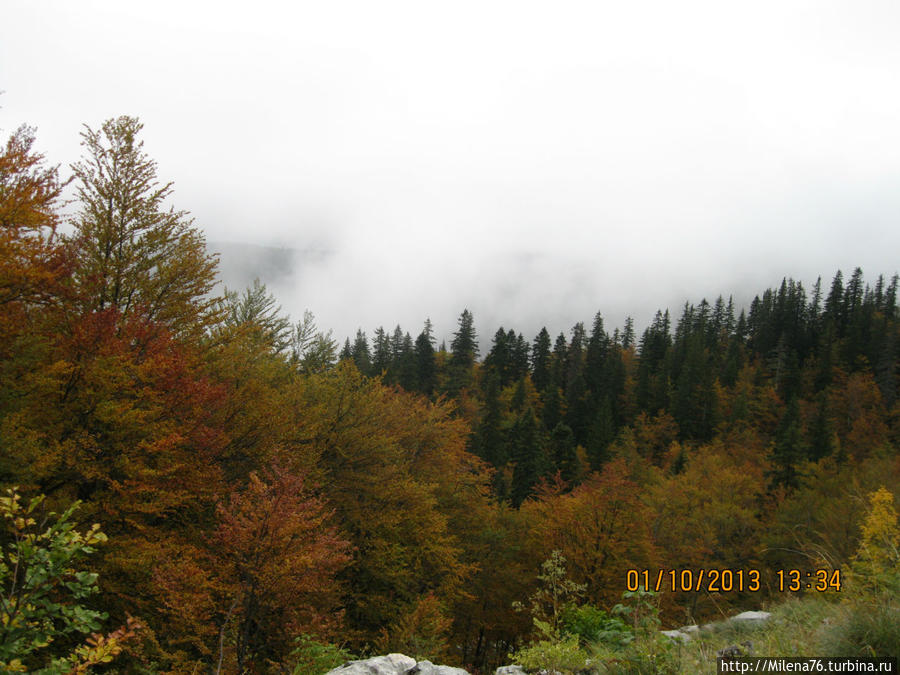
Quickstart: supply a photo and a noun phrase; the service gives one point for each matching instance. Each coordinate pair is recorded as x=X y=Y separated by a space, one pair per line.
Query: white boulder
x=510 y=670
x=750 y=617
x=392 y=664
x=428 y=668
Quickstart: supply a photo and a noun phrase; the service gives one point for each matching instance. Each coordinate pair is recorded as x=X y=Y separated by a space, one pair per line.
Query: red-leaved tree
x=267 y=576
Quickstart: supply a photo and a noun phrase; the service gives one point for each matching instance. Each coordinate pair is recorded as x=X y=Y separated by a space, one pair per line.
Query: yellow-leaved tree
x=869 y=622
x=132 y=253
x=877 y=563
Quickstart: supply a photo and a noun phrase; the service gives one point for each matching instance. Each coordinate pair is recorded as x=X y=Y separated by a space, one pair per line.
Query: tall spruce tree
x=395 y=342
x=834 y=303
x=381 y=352
x=426 y=365
x=488 y=441
x=789 y=450
x=814 y=310
x=346 y=353
x=890 y=298
x=540 y=360
x=498 y=359
x=558 y=362
x=652 y=376
x=565 y=458
x=407 y=370
x=628 y=333
x=518 y=355
x=595 y=358
x=360 y=353
x=463 y=353
x=527 y=451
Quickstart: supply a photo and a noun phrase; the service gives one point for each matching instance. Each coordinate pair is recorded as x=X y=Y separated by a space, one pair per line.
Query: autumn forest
x=262 y=487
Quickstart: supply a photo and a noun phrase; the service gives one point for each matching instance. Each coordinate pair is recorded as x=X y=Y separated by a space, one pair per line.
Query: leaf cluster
x=44 y=595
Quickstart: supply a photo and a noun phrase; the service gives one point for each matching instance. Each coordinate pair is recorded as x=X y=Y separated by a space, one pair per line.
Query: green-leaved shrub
x=45 y=594
x=593 y=625
x=312 y=657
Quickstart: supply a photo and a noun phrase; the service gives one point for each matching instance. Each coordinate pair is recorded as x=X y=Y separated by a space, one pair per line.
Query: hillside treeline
x=257 y=483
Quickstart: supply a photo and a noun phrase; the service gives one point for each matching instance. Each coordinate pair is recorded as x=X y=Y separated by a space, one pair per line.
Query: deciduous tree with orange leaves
x=32 y=261
x=601 y=527
x=265 y=575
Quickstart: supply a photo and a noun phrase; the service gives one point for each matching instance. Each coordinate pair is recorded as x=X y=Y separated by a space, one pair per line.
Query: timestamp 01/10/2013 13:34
x=733 y=580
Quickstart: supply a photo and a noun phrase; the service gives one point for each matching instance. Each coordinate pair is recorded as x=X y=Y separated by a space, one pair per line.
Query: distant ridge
x=240 y=263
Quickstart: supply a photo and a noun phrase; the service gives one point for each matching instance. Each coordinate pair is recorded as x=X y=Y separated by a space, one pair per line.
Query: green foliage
x=426 y=365
x=865 y=629
x=258 y=309
x=555 y=591
x=650 y=652
x=43 y=592
x=312 y=351
x=789 y=449
x=527 y=444
x=640 y=609
x=593 y=625
x=556 y=650
x=587 y=638
x=312 y=657
x=463 y=352
x=564 y=655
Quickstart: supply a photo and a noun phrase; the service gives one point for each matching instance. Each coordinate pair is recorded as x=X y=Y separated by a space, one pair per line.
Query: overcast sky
x=534 y=162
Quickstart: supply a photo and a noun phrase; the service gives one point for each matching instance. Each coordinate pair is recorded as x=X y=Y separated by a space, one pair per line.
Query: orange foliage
x=860 y=424
x=276 y=556
x=33 y=263
x=393 y=463
x=118 y=415
x=602 y=529
x=705 y=516
x=654 y=435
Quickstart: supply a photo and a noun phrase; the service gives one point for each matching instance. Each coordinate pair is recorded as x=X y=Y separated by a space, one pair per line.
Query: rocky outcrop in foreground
x=394 y=664
x=400 y=664
x=686 y=633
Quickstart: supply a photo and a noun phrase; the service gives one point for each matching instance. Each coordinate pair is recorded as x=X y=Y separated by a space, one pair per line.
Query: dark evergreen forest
x=546 y=407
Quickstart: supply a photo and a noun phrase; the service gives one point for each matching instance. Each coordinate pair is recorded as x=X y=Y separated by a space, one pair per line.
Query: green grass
x=859 y=624
x=795 y=628
x=812 y=626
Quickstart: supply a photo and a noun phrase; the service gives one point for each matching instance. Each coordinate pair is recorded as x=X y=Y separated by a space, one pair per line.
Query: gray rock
x=392 y=664
x=509 y=670
x=744 y=649
x=428 y=668
x=683 y=634
x=750 y=617
x=744 y=619
x=676 y=635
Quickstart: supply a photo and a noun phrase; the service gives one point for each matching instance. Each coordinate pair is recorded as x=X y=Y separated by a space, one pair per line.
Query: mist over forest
x=292 y=276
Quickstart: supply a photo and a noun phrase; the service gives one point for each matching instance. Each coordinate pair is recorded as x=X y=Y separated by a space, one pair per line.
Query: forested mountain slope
x=257 y=482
